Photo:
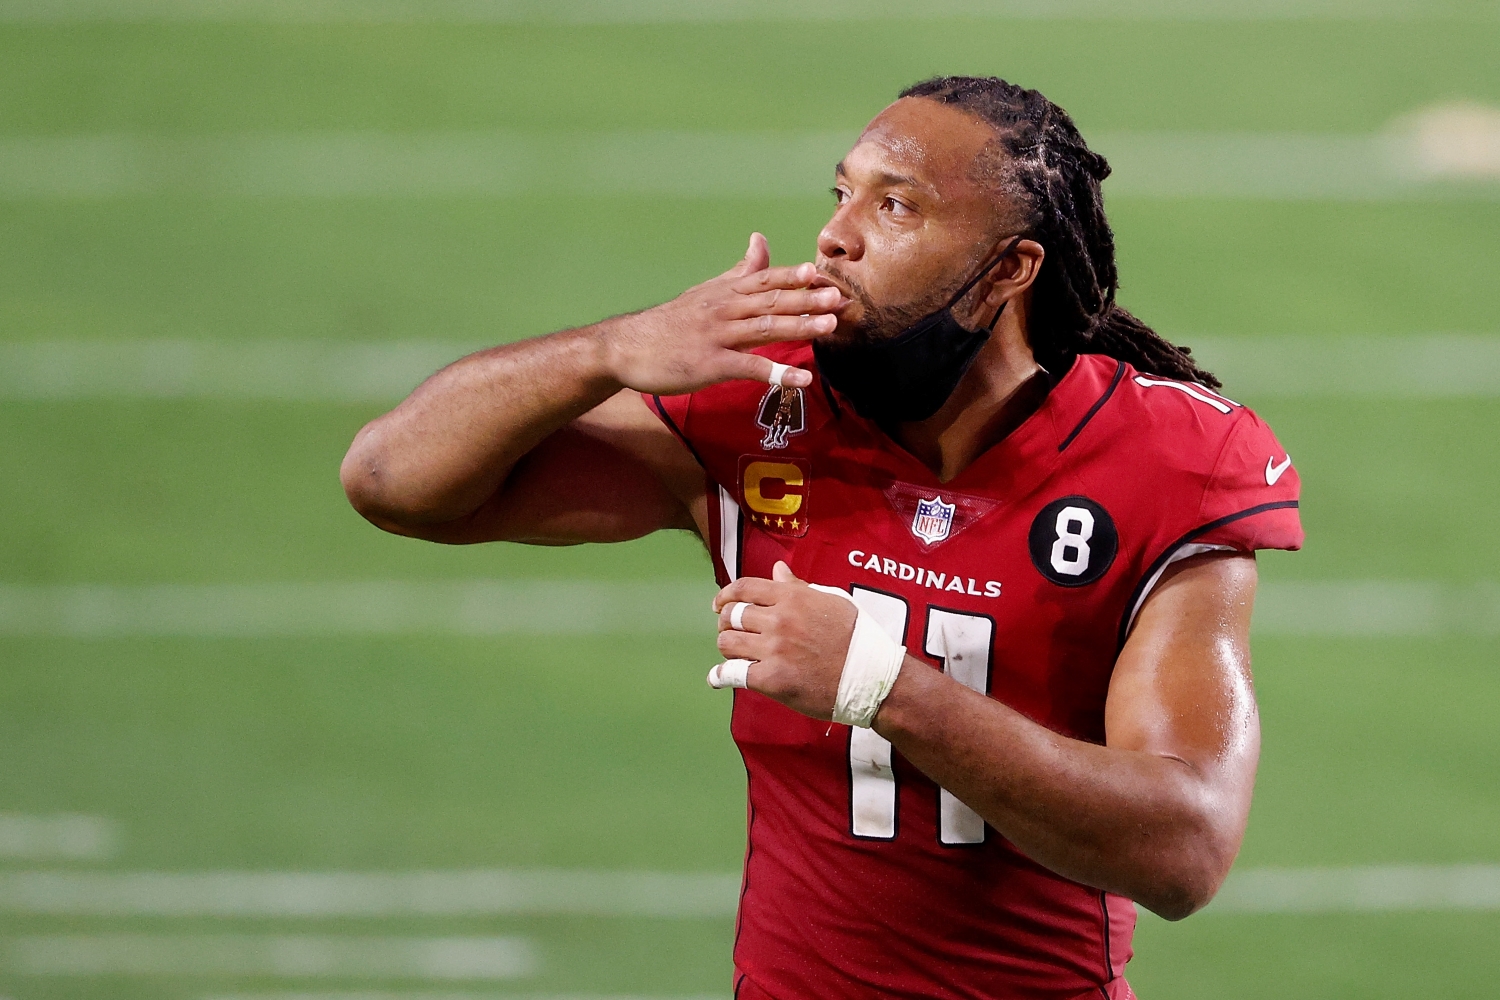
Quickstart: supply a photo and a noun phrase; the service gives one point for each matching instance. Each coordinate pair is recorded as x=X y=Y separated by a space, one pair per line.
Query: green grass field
x=372 y=753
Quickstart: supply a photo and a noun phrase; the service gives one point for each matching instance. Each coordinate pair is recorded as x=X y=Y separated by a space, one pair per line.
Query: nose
x=841 y=239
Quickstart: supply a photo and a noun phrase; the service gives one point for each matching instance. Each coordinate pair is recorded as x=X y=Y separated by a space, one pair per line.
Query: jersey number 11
x=962 y=641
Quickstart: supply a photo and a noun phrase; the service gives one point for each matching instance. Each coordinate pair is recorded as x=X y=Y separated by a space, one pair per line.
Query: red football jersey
x=1020 y=578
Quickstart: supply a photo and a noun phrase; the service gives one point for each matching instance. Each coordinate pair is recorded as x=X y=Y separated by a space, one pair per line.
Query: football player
x=986 y=544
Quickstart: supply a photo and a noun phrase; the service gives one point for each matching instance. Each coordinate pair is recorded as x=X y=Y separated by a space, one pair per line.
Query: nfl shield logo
x=933 y=520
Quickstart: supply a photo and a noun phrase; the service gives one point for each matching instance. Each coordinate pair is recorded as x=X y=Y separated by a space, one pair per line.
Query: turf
x=393 y=754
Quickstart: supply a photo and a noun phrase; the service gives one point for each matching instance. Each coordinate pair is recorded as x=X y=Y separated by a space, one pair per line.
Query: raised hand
x=703 y=336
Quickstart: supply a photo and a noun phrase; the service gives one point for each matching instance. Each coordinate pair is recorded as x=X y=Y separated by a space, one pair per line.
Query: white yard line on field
x=1364 y=889
x=1358 y=608
x=1365 y=608
x=670 y=11
x=351 y=894
x=1444 y=151
x=428 y=995
x=289 y=955
x=1418 y=366
x=292 y=895
x=364 y=165
x=63 y=835
x=272 y=370
x=461 y=607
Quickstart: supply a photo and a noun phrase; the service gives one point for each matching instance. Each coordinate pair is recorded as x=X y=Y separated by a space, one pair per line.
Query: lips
x=823 y=280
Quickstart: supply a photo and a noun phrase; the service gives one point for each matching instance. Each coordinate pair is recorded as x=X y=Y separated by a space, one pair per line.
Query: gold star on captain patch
x=780 y=523
x=794 y=524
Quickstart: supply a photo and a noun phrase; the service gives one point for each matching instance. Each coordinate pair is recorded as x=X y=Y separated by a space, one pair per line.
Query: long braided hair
x=1053 y=178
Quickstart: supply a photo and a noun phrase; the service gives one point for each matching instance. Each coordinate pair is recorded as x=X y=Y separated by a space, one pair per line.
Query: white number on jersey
x=963 y=642
x=872 y=782
x=1070 y=552
x=1198 y=392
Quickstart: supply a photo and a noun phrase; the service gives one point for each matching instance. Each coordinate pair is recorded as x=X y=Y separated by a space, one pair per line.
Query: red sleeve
x=725 y=527
x=673 y=411
x=1249 y=502
x=1250 y=499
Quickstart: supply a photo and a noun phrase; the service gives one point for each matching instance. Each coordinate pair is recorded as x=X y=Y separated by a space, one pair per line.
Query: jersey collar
x=1015 y=465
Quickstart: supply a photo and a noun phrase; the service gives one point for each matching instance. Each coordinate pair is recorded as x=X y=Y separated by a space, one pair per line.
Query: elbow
x=393 y=491
x=1180 y=901
x=1188 y=854
x=366 y=484
x=1191 y=880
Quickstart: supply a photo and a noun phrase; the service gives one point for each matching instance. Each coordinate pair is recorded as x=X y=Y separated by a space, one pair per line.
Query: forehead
x=932 y=143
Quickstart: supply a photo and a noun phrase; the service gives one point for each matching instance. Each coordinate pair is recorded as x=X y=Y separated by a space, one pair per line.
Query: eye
x=839 y=194
x=895 y=206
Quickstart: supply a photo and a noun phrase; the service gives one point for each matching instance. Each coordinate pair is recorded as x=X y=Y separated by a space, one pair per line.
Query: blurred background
x=252 y=747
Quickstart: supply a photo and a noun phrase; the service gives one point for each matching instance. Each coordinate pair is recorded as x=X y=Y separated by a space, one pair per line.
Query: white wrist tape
x=870 y=668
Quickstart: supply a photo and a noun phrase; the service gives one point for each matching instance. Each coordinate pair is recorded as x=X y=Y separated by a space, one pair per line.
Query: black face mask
x=911 y=375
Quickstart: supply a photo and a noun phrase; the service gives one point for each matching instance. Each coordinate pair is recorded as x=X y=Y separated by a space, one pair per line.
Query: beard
x=878 y=321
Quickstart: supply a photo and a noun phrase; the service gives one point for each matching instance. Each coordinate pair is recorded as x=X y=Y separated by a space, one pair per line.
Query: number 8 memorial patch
x=1073 y=541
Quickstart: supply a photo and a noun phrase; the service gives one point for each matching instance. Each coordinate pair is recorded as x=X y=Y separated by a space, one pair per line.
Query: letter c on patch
x=787 y=479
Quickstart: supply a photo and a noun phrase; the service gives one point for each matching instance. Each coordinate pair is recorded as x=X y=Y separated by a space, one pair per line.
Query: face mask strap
x=969 y=285
x=993 y=322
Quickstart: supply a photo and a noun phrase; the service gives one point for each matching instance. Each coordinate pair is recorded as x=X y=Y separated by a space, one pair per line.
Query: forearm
x=446 y=454
x=451 y=444
x=1144 y=825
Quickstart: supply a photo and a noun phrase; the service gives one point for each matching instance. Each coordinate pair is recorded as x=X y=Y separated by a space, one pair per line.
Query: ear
x=1014 y=275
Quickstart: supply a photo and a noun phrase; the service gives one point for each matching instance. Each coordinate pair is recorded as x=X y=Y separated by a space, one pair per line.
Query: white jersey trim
x=1182 y=552
x=729 y=534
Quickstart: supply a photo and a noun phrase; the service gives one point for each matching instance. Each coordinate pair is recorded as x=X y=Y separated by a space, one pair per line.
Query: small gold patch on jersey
x=775 y=491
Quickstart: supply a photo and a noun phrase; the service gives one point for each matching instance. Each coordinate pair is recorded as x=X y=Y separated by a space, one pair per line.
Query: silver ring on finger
x=737 y=615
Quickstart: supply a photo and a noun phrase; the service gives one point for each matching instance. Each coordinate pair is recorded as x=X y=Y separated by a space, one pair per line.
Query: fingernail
x=797 y=378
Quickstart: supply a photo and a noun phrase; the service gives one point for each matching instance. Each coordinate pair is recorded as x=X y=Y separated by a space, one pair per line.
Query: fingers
x=770 y=329
x=732 y=673
x=757 y=257
x=744 y=606
x=755 y=589
x=767 y=278
x=785 y=302
x=759 y=369
x=742 y=645
x=742 y=616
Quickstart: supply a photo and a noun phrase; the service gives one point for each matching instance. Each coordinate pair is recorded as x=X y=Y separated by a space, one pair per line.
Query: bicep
x=1181 y=687
x=614 y=474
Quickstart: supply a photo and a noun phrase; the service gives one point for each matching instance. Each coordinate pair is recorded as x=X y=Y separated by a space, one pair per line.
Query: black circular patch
x=1073 y=541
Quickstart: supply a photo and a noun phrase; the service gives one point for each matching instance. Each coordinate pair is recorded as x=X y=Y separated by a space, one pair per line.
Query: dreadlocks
x=1053 y=179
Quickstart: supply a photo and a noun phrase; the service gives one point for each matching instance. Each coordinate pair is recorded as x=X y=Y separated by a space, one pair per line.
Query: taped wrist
x=870 y=668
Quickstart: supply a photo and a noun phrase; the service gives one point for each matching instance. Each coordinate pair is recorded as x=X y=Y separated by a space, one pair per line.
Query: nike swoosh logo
x=1273 y=471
